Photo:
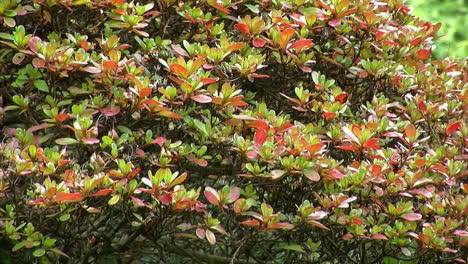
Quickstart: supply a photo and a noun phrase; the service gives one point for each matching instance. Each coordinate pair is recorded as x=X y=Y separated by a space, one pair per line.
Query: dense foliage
x=453 y=14
x=295 y=131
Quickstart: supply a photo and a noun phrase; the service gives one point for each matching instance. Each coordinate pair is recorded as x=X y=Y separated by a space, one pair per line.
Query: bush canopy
x=219 y=131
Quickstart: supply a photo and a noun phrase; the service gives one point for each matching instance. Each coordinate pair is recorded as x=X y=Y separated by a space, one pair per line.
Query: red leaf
x=109 y=111
x=422 y=106
x=259 y=125
x=347 y=147
x=138 y=201
x=341 y=98
x=260 y=136
x=258 y=42
x=371 y=143
x=453 y=127
x=347 y=236
x=250 y=223
x=165 y=198
x=110 y=65
x=201 y=98
x=243 y=28
x=61 y=117
x=423 y=54
x=329 y=115
x=356 y=221
x=160 y=141
x=302 y=44
x=102 y=192
x=412 y=216
x=68 y=197
x=211 y=195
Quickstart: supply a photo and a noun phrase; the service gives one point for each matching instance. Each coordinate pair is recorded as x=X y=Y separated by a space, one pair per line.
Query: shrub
x=229 y=132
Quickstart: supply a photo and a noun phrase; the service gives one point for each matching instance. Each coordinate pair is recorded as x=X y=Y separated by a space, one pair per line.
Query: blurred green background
x=454 y=17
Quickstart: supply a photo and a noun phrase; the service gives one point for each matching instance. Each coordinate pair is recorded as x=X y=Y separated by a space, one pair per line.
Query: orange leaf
x=110 y=65
x=61 y=117
x=179 y=70
x=302 y=44
x=235 y=46
x=410 y=132
x=145 y=92
x=243 y=28
x=68 y=197
x=250 y=223
x=371 y=143
x=423 y=54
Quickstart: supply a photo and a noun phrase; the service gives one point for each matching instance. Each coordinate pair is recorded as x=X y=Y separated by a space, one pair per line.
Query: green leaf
x=253 y=8
x=296 y=248
x=114 y=200
x=18 y=246
x=39 y=252
x=66 y=141
x=64 y=217
x=41 y=85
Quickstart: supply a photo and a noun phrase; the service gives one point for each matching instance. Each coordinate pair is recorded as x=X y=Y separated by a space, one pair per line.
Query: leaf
x=39 y=252
x=90 y=141
x=209 y=80
x=68 y=197
x=210 y=236
x=296 y=248
x=91 y=69
x=280 y=226
x=110 y=111
x=115 y=199
x=61 y=117
x=201 y=98
x=179 y=70
x=302 y=44
x=410 y=132
x=41 y=85
x=102 y=192
x=258 y=42
x=452 y=128
x=276 y=174
x=423 y=54
x=349 y=147
x=350 y=134
x=235 y=46
x=243 y=28
x=311 y=174
x=406 y=252
x=211 y=195
x=260 y=137
x=233 y=195
x=371 y=143
x=200 y=233
x=250 y=223
x=110 y=65
x=18 y=58
x=252 y=8
x=145 y=92
x=170 y=114
x=412 y=216
x=66 y=141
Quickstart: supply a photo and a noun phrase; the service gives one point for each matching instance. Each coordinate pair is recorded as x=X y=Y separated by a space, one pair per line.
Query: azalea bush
x=170 y=131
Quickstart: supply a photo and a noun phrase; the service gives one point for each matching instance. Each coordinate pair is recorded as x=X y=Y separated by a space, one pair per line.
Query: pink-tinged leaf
x=160 y=141
x=39 y=127
x=276 y=174
x=258 y=42
x=233 y=195
x=201 y=98
x=209 y=80
x=317 y=215
x=302 y=44
x=90 y=141
x=260 y=137
x=347 y=237
x=453 y=127
x=18 y=58
x=243 y=28
x=33 y=42
x=235 y=46
x=91 y=69
x=334 y=22
x=350 y=134
x=422 y=192
x=379 y=237
x=110 y=65
x=412 y=216
x=68 y=197
x=460 y=232
x=311 y=174
x=38 y=63
x=220 y=229
x=371 y=143
x=200 y=162
x=210 y=236
x=423 y=54
x=138 y=201
x=102 y=192
x=318 y=224
x=211 y=195
x=450 y=250
x=459 y=260
x=180 y=51
x=244 y=117
x=110 y=111
x=347 y=147
x=200 y=233
x=250 y=223
x=280 y=226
